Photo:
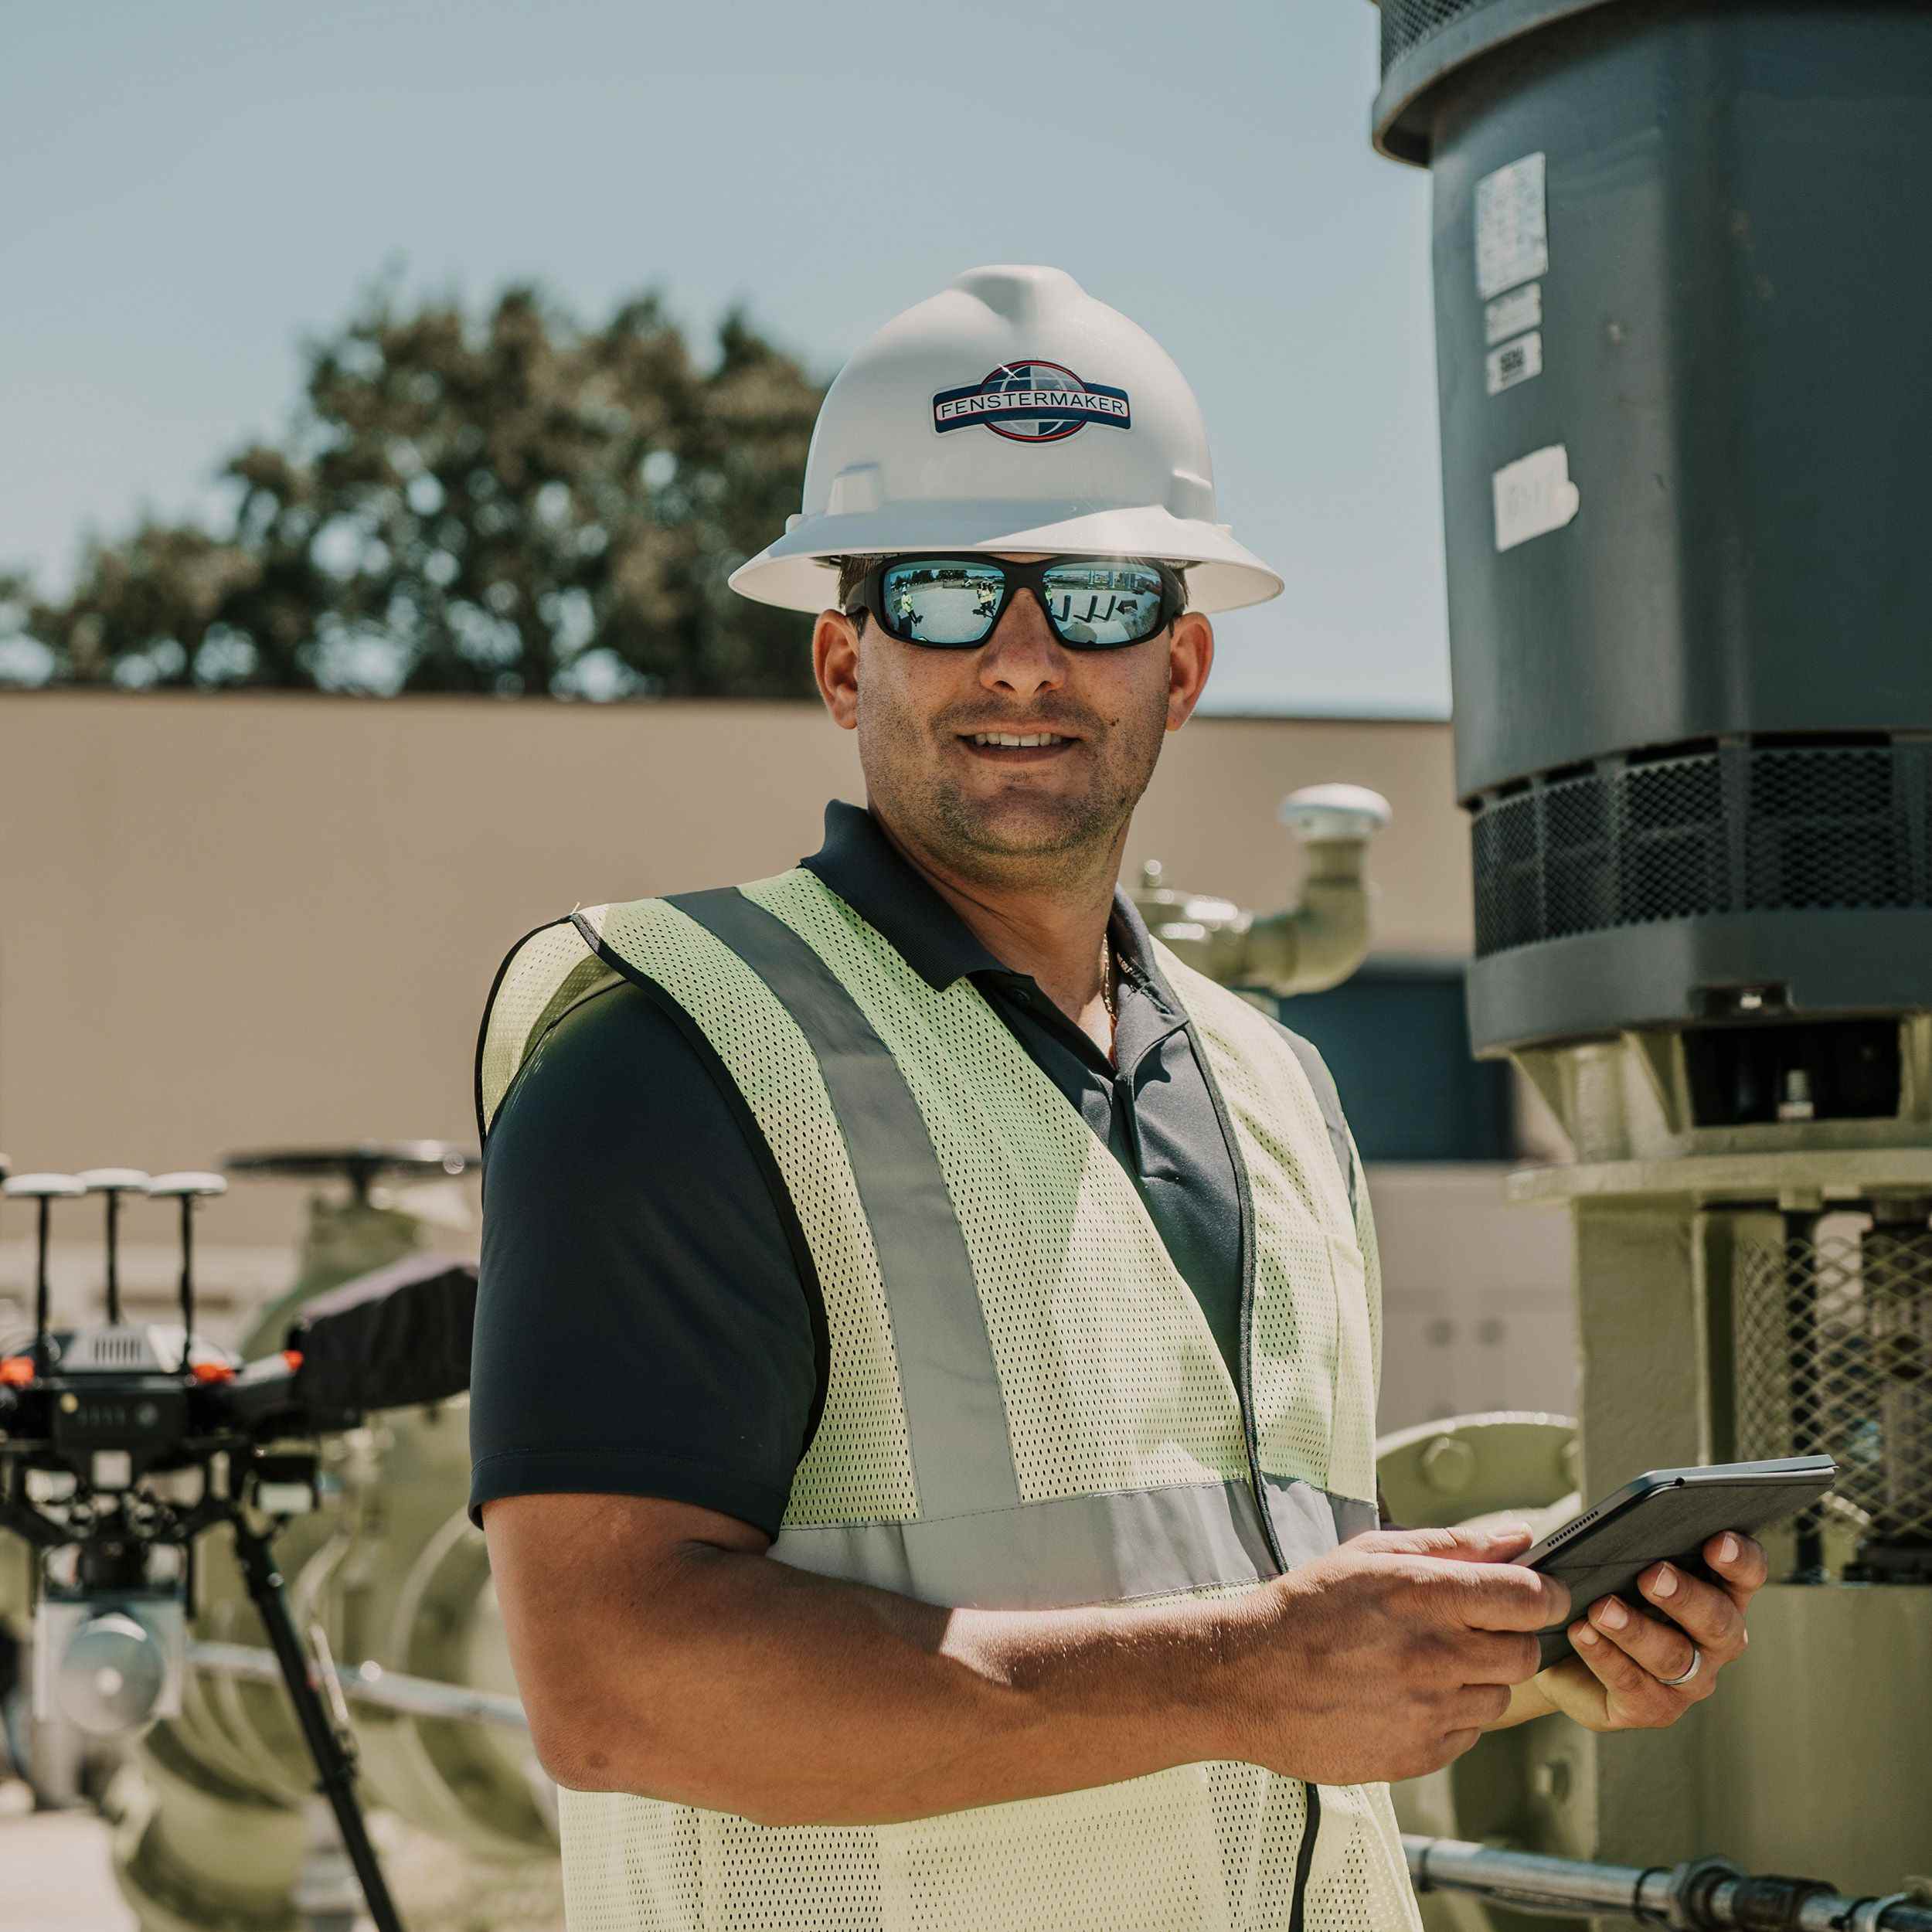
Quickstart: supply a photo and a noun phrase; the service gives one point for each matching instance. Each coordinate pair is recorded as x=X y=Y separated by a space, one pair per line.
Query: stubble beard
x=1049 y=838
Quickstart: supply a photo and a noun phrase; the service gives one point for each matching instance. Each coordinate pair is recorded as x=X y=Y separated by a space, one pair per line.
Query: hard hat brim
x=795 y=573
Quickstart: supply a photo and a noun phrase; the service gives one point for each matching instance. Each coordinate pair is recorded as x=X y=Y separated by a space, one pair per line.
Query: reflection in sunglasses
x=1127 y=608
x=955 y=602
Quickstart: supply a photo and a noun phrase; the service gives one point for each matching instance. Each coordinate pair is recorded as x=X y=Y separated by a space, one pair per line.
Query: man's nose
x=1022 y=656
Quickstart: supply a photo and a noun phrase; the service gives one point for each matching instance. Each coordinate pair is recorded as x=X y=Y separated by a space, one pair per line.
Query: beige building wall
x=247 y=919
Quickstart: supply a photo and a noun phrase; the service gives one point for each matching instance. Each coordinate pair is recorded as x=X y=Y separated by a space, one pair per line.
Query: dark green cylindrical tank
x=1683 y=282
x=1683 y=271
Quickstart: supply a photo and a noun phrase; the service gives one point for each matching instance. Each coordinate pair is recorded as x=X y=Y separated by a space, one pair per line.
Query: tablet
x=1668 y=1515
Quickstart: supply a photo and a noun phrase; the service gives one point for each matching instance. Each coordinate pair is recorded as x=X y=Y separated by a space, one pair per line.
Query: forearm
x=792 y=1699
x=1527 y=1701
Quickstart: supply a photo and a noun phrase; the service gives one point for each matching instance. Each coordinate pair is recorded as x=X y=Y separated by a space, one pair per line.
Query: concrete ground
x=55 y=1864
x=55 y=1877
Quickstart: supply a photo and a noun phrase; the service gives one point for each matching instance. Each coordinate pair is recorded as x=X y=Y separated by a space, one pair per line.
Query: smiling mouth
x=1016 y=747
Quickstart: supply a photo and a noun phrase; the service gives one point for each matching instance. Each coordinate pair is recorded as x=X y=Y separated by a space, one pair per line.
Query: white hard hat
x=1010 y=412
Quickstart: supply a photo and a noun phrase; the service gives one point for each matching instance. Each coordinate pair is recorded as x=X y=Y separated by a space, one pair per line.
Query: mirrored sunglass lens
x=941 y=600
x=1104 y=601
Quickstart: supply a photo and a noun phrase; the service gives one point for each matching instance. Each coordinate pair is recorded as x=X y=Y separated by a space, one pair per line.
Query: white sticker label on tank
x=1510 y=315
x=1512 y=235
x=1514 y=362
x=1534 y=495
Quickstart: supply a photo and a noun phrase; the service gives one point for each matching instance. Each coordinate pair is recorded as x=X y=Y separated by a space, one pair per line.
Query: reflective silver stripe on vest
x=956 y=1416
x=1080 y=1549
x=1308 y=1518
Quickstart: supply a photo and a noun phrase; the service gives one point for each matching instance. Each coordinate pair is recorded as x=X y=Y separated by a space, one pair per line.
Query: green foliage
x=523 y=505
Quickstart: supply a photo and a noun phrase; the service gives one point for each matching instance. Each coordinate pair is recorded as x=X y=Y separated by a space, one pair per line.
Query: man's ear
x=835 y=664
x=1190 y=657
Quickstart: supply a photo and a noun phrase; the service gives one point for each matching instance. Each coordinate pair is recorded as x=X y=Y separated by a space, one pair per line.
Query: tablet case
x=1667 y=1515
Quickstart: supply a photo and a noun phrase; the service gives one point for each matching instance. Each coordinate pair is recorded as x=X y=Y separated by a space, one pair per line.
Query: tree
x=523 y=505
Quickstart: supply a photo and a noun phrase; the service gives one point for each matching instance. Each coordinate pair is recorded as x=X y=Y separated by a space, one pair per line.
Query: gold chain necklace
x=1107 y=977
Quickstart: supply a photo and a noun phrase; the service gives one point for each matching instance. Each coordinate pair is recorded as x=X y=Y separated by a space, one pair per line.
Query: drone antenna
x=43 y=1288
x=46 y=1189
x=114 y=1181
x=113 y=1259
x=187 y=1189
x=187 y=1278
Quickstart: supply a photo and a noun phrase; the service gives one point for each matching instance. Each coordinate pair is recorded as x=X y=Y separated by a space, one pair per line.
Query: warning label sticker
x=1514 y=362
x=1510 y=315
x=1513 y=232
x=1533 y=496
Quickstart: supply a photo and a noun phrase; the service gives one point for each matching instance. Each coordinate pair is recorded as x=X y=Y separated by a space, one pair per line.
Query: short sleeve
x=647 y=1318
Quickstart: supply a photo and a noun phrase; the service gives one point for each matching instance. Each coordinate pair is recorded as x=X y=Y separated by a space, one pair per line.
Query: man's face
x=1006 y=813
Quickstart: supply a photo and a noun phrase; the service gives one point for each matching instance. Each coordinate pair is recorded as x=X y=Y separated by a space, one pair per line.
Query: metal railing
x=369 y=1684
x=1701 y=1893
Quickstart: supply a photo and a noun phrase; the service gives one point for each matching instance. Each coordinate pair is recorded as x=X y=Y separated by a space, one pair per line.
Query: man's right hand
x=1385 y=1658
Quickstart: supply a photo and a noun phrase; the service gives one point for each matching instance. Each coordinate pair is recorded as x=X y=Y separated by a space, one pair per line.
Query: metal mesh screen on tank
x=1832 y=1331
x=1406 y=23
x=1690 y=831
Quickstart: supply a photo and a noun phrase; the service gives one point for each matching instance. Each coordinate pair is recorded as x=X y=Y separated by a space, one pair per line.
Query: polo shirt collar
x=866 y=870
x=869 y=873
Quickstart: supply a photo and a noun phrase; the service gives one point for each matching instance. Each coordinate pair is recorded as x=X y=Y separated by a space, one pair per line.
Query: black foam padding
x=392 y=1339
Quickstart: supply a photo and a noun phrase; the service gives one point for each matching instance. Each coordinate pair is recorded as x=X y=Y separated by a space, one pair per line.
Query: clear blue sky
x=190 y=187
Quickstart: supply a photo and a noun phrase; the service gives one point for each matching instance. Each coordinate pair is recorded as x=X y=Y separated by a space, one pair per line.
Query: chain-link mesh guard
x=1833 y=1338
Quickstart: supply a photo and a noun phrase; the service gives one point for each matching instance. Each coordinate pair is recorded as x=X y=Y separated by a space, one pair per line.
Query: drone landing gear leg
x=334 y=1765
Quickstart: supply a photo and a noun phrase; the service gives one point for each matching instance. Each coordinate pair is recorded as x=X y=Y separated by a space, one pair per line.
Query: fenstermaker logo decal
x=1031 y=402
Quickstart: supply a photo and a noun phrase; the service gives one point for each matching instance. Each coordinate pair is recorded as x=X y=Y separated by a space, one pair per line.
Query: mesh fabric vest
x=1025 y=1408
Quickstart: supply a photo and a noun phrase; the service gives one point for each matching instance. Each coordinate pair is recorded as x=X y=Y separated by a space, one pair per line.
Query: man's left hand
x=1616 y=1679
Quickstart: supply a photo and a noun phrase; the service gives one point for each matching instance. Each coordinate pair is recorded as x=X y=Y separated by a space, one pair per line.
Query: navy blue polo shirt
x=649 y=1320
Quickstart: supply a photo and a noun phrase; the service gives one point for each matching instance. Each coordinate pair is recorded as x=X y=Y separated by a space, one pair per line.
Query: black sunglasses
x=953 y=603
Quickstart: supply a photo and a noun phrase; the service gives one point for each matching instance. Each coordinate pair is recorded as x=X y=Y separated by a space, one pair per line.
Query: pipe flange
x=1772 y=1901
x=1692 y=1886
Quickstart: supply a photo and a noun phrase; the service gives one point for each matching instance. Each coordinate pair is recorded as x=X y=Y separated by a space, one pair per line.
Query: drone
x=123 y=1443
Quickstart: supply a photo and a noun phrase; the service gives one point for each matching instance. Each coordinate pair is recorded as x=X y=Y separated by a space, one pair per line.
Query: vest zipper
x=1304 y=1855
x=1310 y=1793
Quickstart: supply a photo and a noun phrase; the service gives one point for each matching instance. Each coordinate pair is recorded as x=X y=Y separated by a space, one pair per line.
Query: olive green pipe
x=1314 y=943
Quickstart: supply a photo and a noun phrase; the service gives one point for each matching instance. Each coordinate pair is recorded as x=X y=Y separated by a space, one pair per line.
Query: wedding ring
x=1696 y=1664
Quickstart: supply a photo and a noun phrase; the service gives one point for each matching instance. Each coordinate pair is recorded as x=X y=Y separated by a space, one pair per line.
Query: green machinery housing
x=1682 y=278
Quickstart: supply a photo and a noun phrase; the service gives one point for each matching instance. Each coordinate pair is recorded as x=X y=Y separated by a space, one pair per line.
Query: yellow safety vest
x=1026 y=1408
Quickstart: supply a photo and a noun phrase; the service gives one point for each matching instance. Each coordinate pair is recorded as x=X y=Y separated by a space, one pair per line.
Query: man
x=927 y=1342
